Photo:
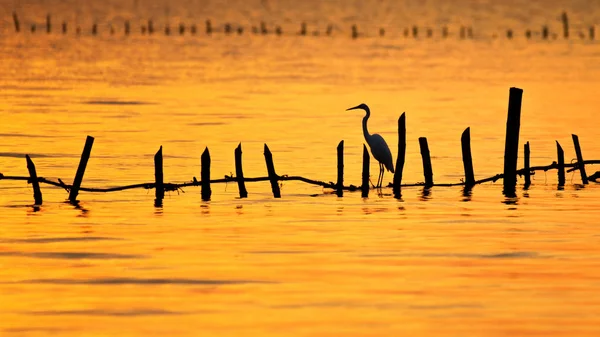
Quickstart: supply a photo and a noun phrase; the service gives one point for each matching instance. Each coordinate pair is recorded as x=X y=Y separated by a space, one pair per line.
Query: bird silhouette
x=379 y=148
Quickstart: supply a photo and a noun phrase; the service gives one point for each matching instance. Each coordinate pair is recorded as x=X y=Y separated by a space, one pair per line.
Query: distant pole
x=511 y=146
x=167 y=29
x=303 y=29
x=401 y=156
x=205 y=175
x=94 y=29
x=465 y=141
x=85 y=156
x=565 y=22
x=354 y=32
x=545 y=32
x=271 y=170
x=580 y=164
x=381 y=32
x=208 y=27
x=278 y=30
x=527 y=174
x=340 y=169
x=181 y=29
x=48 y=24
x=227 y=28
x=158 y=178
x=239 y=174
x=263 y=28
x=150 y=27
x=561 y=165
x=193 y=29
x=127 y=28
x=64 y=27
x=592 y=32
x=33 y=179
x=365 y=173
x=16 y=22
x=415 y=31
x=427 y=169
x=509 y=34
x=445 y=32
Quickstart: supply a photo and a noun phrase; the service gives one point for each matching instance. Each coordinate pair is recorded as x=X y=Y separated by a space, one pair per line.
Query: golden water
x=309 y=264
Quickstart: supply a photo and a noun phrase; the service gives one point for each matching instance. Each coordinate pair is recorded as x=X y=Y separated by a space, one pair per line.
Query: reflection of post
x=511 y=146
x=85 y=156
x=561 y=165
x=340 y=169
x=584 y=178
x=158 y=177
x=33 y=179
x=16 y=21
x=239 y=174
x=271 y=170
x=401 y=156
x=365 y=172
x=527 y=173
x=427 y=169
x=205 y=175
x=565 y=22
x=465 y=141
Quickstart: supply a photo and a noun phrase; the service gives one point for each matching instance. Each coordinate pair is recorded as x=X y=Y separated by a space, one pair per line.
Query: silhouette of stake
x=272 y=175
x=561 y=165
x=158 y=177
x=527 y=172
x=401 y=156
x=16 y=21
x=340 y=169
x=239 y=174
x=365 y=172
x=85 y=156
x=33 y=179
x=205 y=175
x=580 y=163
x=465 y=141
x=427 y=170
x=511 y=146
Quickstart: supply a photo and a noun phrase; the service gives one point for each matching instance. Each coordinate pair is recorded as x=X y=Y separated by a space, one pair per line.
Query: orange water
x=309 y=264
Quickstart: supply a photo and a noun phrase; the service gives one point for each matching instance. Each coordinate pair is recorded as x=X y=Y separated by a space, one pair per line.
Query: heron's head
x=361 y=106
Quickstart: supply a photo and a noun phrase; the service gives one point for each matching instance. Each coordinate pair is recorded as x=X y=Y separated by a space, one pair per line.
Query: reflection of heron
x=379 y=147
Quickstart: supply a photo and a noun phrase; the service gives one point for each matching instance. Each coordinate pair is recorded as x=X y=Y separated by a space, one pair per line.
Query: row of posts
x=509 y=176
x=149 y=28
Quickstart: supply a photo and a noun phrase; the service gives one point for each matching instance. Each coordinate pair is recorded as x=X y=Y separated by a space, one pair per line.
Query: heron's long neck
x=365 y=119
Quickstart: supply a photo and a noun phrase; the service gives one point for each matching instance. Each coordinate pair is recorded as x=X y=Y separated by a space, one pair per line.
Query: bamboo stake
x=365 y=172
x=340 y=169
x=580 y=162
x=427 y=169
x=85 y=156
x=561 y=165
x=239 y=174
x=465 y=141
x=527 y=172
x=158 y=177
x=37 y=192
x=205 y=175
x=401 y=156
x=271 y=170
x=511 y=146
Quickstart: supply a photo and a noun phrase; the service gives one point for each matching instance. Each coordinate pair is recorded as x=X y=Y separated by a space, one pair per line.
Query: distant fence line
x=509 y=174
x=149 y=28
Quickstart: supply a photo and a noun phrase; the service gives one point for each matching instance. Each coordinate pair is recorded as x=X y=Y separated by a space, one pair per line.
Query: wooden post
x=16 y=21
x=227 y=28
x=427 y=169
x=415 y=31
x=272 y=175
x=526 y=154
x=205 y=175
x=94 y=29
x=158 y=177
x=584 y=178
x=48 y=24
x=150 y=27
x=263 y=28
x=509 y=33
x=33 y=28
x=208 y=27
x=511 y=146
x=127 y=28
x=303 y=29
x=561 y=165
x=64 y=27
x=354 y=32
x=401 y=156
x=545 y=32
x=340 y=169
x=181 y=28
x=239 y=174
x=85 y=156
x=365 y=173
x=465 y=141
x=565 y=22
x=33 y=179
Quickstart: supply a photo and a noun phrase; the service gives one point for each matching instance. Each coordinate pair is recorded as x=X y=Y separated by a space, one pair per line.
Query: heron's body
x=379 y=148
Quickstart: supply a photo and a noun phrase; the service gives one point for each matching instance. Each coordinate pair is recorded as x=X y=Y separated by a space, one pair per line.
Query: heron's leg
x=380 y=180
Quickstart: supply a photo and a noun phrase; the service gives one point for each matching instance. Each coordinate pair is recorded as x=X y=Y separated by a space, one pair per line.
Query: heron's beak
x=354 y=108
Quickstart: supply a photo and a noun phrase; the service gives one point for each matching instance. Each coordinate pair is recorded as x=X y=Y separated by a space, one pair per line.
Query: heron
x=379 y=148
